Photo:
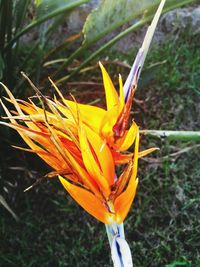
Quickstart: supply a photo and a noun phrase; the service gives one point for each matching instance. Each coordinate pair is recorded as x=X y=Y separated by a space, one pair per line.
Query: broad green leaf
x=112 y=14
x=109 y=16
x=20 y=12
x=48 y=9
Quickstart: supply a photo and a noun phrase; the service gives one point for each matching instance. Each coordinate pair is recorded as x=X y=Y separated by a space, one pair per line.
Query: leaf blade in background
x=20 y=12
x=112 y=14
x=48 y=9
x=142 y=15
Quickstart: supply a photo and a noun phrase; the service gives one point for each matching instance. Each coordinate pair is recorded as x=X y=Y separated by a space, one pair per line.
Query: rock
x=196 y=20
x=177 y=20
x=171 y=25
x=77 y=17
x=182 y=19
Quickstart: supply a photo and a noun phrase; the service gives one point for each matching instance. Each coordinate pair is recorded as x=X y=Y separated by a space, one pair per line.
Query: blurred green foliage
x=18 y=20
x=27 y=29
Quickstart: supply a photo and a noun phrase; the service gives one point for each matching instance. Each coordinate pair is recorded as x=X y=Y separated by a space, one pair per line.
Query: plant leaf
x=20 y=12
x=109 y=19
x=48 y=9
x=112 y=14
x=2 y=66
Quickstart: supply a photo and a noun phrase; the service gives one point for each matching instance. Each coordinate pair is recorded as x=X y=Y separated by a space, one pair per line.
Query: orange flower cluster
x=84 y=144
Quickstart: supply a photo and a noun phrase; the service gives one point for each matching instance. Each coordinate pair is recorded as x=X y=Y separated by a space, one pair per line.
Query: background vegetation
x=163 y=226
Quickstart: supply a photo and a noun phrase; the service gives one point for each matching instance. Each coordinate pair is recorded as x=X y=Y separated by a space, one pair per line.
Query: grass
x=163 y=225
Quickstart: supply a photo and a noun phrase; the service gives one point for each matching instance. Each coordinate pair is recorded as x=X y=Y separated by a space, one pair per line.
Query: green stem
x=173 y=135
x=120 y=251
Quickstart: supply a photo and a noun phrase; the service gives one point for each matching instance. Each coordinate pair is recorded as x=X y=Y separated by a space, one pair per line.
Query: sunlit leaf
x=112 y=14
x=51 y=7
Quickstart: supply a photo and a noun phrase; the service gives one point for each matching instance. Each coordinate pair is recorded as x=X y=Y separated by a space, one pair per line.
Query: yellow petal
x=107 y=123
x=90 y=115
x=121 y=90
x=112 y=98
x=147 y=151
x=127 y=140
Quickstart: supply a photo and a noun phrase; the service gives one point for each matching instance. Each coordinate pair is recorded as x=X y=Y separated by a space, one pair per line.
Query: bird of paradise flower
x=84 y=143
x=74 y=143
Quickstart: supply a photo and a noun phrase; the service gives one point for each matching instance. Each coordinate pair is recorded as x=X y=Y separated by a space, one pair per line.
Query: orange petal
x=49 y=158
x=123 y=202
x=91 y=162
x=103 y=155
x=123 y=180
x=122 y=122
x=71 y=161
x=87 y=201
x=120 y=158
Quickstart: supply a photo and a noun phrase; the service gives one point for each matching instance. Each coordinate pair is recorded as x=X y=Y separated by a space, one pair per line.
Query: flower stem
x=120 y=251
x=114 y=229
x=173 y=135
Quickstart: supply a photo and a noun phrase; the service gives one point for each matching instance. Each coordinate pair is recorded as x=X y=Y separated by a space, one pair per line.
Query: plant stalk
x=173 y=135
x=120 y=251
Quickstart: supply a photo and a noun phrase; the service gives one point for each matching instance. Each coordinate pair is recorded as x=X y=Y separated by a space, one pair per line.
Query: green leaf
x=20 y=12
x=48 y=9
x=177 y=264
x=2 y=66
x=112 y=14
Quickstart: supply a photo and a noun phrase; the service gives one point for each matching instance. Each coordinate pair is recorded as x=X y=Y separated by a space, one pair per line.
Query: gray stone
x=196 y=20
x=177 y=20
x=77 y=17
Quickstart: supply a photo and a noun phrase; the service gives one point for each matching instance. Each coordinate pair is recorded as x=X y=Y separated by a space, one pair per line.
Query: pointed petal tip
x=120 y=80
